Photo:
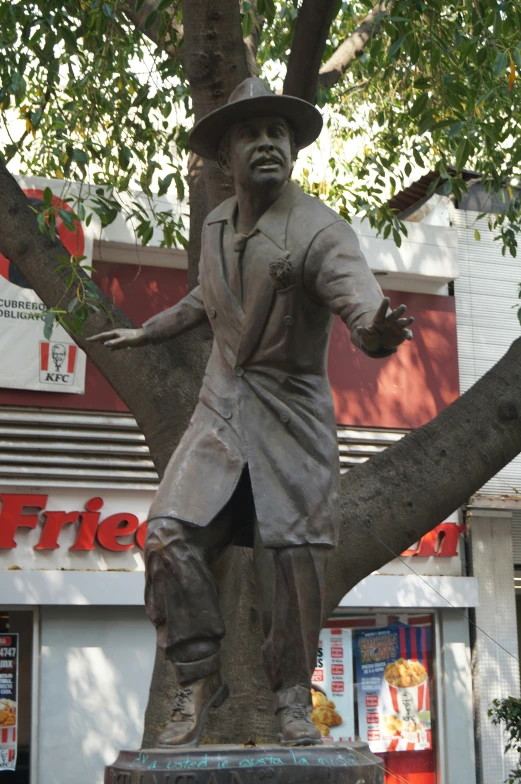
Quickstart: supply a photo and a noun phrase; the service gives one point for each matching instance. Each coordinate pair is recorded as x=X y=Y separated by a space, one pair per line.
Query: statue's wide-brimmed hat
x=253 y=98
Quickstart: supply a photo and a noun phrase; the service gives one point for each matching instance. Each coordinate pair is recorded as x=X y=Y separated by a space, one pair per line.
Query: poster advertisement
x=28 y=360
x=332 y=683
x=8 y=700
x=393 y=683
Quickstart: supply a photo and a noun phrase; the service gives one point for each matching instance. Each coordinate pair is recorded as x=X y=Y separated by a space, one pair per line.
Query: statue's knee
x=165 y=531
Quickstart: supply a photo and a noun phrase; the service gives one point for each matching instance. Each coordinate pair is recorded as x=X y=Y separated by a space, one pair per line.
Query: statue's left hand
x=388 y=329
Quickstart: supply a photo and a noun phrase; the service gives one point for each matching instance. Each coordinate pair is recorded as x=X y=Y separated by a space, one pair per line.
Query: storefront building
x=76 y=482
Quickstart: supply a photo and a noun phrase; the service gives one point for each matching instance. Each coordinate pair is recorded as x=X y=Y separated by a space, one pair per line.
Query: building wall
x=96 y=665
x=404 y=391
x=486 y=295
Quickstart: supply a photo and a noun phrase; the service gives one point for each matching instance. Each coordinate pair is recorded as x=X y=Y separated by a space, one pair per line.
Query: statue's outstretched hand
x=120 y=338
x=388 y=330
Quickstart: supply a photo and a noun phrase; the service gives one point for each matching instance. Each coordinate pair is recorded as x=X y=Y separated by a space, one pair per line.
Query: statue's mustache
x=268 y=159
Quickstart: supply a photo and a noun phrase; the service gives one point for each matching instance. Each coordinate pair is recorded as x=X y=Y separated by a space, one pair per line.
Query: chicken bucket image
x=394 y=712
x=408 y=686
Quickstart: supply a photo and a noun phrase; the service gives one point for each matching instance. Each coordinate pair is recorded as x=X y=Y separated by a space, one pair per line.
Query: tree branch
x=174 y=33
x=398 y=496
x=332 y=71
x=169 y=374
x=313 y=23
x=251 y=45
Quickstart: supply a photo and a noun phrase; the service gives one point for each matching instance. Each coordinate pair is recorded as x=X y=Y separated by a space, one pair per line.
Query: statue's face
x=259 y=153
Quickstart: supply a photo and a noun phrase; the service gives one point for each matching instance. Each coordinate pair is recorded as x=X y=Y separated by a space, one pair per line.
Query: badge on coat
x=282 y=273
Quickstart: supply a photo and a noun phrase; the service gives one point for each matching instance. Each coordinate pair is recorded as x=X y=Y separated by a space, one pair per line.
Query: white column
x=496 y=666
x=458 y=760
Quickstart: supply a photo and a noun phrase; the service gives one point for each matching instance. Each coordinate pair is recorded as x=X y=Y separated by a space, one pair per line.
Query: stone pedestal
x=331 y=763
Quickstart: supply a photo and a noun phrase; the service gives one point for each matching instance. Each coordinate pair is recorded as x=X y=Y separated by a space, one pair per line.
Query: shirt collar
x=272 y=223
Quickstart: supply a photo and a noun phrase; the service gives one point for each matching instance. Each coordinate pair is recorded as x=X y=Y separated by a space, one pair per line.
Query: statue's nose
x=265 y=144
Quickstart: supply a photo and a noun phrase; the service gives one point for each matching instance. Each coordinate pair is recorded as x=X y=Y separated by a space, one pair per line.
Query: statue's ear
x=224 y=164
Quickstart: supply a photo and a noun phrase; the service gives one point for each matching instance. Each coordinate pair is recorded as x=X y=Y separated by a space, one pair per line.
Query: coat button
x=288 y=320
x=212 y=313
x=284 y=418
x=227 y=414
x=239 y=371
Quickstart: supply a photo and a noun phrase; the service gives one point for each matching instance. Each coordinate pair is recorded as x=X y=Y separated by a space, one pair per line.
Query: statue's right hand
x=120 y=338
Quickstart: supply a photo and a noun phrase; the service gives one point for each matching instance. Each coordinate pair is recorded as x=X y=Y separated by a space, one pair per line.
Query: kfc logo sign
x=57 y=362
x=117 y=532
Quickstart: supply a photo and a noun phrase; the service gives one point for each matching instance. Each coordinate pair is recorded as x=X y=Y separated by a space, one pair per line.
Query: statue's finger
x=382 y=311
x=117 y=343
x=102 y=336
x=407 y=333
x=404 y=322
x=397 y=313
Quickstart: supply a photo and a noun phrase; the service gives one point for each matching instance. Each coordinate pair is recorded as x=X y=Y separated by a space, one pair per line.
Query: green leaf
x=417 y=157
x=477 y=235
x=165 y=183
x=67 y=219
x=500 y=64
x=414 y=52
x=151 y=18
x=41 y=223
x=47 y=197
x=247 y=25
x=395 y=46
x=397 y=238
x=107 y=11
x=419 y=105
x=462 y=154
x=80 y=156
x=147 y=235
x=48 y=324
x=426 y=122
x=456 y=129
x=491 y=132
x=432 y=187
x=124 y=156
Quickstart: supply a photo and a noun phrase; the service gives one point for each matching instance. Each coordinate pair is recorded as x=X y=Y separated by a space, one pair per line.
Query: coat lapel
x=270 y=246
x=214 y=273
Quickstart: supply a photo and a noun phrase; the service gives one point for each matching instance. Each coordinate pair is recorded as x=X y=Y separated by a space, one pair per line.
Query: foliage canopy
x=96 y=91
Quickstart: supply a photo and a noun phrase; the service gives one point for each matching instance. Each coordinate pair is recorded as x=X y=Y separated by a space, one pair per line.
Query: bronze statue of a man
x=259 y=461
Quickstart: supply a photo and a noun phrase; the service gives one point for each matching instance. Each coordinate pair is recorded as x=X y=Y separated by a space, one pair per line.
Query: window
x=374 y=682
x=16 y=664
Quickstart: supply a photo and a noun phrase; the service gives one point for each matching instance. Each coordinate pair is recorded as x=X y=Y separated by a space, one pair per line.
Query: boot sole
x=299 y=741
x=220 y=696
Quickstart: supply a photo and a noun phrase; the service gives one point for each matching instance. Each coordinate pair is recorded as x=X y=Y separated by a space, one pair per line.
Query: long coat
x=265 y=401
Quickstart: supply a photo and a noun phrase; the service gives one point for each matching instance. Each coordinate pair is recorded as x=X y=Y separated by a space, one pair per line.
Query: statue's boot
x=293 y=709
x=192 y=703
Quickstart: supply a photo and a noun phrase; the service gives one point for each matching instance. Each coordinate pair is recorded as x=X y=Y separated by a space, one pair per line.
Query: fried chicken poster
x=333 y=686
x=394 y=688
x=8 y=700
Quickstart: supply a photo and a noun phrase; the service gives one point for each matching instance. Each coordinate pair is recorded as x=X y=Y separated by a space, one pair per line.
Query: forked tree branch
x=313 y=24
x=169 y=40
x=353 y=46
